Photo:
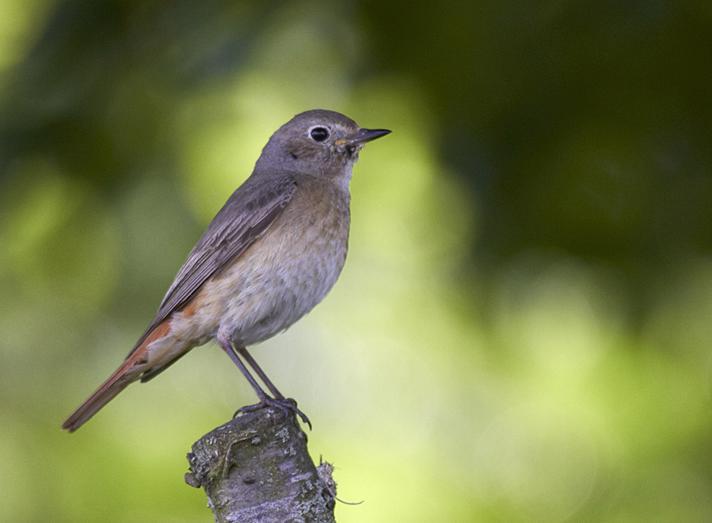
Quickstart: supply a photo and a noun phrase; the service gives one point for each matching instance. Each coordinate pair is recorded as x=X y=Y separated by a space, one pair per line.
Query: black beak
x=366 y=135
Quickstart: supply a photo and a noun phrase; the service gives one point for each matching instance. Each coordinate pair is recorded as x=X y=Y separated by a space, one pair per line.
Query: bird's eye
x=319 y=134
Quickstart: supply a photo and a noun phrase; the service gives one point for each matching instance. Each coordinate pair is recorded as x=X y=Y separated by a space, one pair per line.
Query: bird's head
x=317 y=142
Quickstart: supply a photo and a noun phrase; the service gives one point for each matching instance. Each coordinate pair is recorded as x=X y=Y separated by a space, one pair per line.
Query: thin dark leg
x=280 y=402
x=252 y=363
x=279 y=398
x=227 y=347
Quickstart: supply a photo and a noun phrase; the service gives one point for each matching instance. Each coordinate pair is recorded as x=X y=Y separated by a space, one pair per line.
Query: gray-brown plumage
x=268 y=257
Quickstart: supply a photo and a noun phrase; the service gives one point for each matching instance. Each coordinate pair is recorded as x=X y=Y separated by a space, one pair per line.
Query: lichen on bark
x=256 y=468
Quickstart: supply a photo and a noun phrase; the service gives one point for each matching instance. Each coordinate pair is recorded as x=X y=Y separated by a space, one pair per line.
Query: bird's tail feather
x=129 y=371
x=108 y=390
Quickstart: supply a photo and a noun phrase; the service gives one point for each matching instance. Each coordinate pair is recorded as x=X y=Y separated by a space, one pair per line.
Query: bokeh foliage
x=522 y=330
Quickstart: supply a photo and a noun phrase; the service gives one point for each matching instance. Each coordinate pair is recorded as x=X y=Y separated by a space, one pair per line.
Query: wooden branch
x=256 y=468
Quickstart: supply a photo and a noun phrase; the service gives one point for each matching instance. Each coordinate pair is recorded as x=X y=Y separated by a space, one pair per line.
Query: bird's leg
x=226 y=345
x=242 y=351
x=279 y=399
x=288 y=405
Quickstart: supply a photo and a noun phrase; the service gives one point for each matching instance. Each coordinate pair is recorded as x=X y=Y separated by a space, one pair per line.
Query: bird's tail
x=129 y=371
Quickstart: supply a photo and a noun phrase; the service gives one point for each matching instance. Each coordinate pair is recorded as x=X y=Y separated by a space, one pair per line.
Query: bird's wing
x=245 y=217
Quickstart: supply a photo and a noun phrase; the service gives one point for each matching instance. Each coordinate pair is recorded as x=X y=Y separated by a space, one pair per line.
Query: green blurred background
x=522 y=331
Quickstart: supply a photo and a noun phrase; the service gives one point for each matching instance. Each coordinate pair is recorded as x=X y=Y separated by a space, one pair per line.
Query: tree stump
x=256 y=468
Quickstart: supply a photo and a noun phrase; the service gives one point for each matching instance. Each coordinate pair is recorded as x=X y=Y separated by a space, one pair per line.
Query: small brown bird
x=268 y=257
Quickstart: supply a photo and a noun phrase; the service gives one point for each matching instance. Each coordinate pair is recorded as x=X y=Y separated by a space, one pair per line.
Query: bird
x=269 y=256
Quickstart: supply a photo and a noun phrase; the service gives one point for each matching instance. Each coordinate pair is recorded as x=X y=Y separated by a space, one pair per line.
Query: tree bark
x=256 y=468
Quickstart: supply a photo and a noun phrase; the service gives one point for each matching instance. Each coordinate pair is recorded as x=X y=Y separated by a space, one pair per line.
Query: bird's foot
x=287 y=405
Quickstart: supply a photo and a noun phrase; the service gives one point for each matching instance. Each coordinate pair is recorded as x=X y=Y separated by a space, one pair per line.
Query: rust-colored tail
x=117 y=382
x=129 y=371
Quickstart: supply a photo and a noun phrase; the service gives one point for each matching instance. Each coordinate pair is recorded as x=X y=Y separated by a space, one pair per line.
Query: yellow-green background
x=522 y=331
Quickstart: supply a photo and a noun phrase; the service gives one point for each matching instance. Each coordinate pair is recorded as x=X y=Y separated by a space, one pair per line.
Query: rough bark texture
x=256 y=468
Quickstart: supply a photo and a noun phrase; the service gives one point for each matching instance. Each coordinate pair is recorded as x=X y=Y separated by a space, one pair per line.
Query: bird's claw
x=287 y=405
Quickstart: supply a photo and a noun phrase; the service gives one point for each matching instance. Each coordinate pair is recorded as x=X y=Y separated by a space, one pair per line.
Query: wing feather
x=245 y=217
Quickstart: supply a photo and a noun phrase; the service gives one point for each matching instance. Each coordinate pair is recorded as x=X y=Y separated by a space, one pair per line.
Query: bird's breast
x=287 y=271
